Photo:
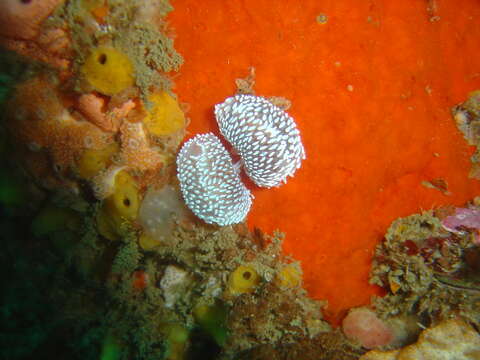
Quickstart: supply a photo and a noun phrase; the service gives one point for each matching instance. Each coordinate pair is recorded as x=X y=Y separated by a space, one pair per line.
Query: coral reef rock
x=451 y=339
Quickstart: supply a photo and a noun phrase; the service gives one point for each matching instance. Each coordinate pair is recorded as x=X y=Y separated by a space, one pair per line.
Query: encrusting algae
x=98 y=238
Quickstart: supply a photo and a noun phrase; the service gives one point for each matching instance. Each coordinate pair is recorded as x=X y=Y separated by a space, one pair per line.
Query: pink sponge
x=463 y=218
x=364 y=326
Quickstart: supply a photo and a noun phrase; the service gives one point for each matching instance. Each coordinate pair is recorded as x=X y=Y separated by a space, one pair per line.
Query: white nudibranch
x=268 y=142
x=265 y=137
x=211 y=187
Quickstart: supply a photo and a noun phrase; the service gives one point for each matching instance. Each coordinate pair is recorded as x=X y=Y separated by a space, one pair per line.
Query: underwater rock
x=425 y=270
x=364 y=326
x=467 y=119
x=25 y=29
x=290 y=276
x=172 y=283
x=325 y=346
x=136 y=151
x=451 y=339
x=40 y=121
x=22 y=19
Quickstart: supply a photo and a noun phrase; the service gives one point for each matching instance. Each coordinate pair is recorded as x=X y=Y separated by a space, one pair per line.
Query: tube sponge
x=108 y=70
x=122 y=205
x=125 y=200
x=244 y=279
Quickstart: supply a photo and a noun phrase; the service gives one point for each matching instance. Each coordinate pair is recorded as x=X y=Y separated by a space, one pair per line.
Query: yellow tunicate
x=290 y=276
x=125 y=200
x=165 y=116
x=108 y=70
x=244 y=279
x=147 y=243
x=93 y=161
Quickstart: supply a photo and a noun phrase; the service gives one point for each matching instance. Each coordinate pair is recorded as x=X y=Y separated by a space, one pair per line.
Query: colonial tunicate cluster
x=268 y=142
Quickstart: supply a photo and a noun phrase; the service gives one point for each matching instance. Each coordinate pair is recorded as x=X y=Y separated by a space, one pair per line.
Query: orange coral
x=371 y=87
x=136 y=152
x=40 y=121
x=22 y=31
x=35 y=51
x=22 y=19
x=39 y=166
x=121 y=112
x=92 y=107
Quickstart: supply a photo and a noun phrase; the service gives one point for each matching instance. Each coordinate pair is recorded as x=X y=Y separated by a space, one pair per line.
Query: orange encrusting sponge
x=372 y=84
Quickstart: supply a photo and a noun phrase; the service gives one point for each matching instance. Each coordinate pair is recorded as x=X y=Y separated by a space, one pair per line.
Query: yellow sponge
x=119 y=207
x=244 y=279
x=108 y=70
x=125 y=201
x=165 y=116
x=93 y=161
x=290 y=276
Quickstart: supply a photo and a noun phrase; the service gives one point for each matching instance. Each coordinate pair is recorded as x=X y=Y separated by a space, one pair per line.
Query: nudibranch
x=265 y=137
x=210 y=184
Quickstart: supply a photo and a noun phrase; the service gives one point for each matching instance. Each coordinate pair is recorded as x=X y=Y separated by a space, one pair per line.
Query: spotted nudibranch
x=270 y=148
x=265 y=137
x=210 y=184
